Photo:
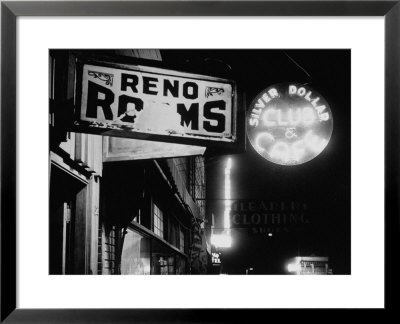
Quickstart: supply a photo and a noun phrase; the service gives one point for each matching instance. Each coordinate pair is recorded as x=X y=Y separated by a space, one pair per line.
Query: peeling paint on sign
x=147 y=100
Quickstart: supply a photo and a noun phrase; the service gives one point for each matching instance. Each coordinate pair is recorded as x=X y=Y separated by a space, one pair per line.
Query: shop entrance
x=67 y=194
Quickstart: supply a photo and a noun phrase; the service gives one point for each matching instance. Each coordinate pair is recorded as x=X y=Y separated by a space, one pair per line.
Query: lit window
x=158 y=221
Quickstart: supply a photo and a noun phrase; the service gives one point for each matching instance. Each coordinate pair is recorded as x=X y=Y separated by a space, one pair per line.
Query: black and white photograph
x=200 y=162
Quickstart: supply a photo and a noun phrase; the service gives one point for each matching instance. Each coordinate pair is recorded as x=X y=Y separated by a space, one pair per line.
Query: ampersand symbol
x=290 y=132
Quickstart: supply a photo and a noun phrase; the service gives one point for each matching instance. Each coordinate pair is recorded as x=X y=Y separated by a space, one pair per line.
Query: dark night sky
x=322 y=183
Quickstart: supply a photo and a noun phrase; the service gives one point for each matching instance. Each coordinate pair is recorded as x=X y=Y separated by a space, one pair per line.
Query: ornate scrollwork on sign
x=107 y=78
x=210 y=91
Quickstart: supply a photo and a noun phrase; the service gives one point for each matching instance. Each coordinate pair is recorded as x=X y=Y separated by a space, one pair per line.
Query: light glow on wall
x=227 y=220
x=294 y=267
x=224 y=239
x=289 y=124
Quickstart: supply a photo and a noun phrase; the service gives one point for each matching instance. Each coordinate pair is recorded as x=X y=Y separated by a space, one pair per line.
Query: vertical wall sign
x=153 y=103
x=289 y=123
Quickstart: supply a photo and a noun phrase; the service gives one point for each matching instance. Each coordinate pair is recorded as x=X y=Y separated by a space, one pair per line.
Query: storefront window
x=163 y=264
x=135 y=258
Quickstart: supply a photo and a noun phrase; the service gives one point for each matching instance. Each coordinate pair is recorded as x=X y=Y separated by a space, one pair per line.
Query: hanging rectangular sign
x=125 y=149
x=153 y=103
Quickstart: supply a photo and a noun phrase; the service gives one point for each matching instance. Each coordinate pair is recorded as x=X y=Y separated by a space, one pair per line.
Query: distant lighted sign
x=215 y=258
x=289 y=123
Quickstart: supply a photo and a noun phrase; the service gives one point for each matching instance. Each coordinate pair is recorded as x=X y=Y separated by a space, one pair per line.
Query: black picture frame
x=11 y=10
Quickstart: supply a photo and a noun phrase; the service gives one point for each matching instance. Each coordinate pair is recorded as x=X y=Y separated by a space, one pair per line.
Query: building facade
x=310 y=265
x=139 y=215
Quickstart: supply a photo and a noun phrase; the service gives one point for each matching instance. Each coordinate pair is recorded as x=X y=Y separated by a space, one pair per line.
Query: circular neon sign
x=289 y=123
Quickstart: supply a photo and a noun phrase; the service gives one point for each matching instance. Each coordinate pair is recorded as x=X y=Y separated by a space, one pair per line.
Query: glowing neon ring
x=289 y=123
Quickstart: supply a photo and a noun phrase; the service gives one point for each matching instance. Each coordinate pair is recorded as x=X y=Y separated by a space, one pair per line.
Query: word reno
x=289 y=124
x=138 y=99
